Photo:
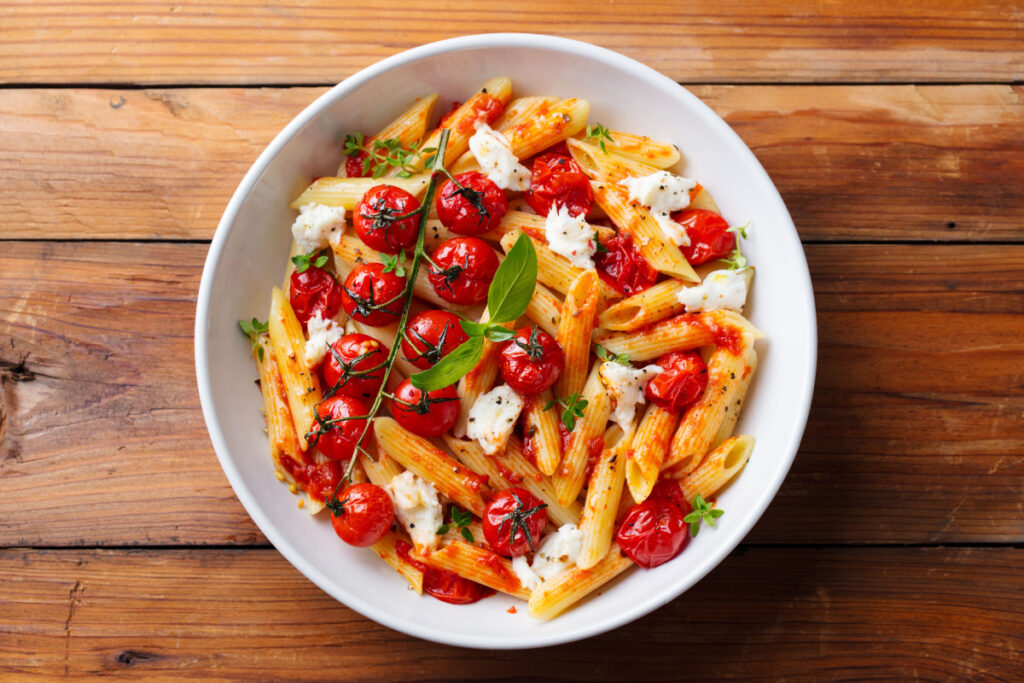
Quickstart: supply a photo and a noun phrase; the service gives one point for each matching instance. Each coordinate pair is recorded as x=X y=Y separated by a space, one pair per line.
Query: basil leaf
x=514 y=282
x=497 y=333
x=474 y=329
x=452 y=367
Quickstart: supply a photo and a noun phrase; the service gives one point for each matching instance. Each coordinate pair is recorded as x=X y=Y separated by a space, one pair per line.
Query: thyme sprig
x=599 y=133
x=384 y=155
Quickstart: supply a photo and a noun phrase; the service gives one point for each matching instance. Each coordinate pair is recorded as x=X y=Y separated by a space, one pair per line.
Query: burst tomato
x=335 y=433
x=377 y=219
x=513 y=522
x=348 y=369
x=532 y=361
x=372 y=296
x=312 y=290
x=709 y=234
x=444 y=585
x=622 y=266
x=476 y=207
x=653 y=532
x=430 y=336
x=429 y=413
x=557 y=180
x=462 y=270
x=681 y=384
x=362 y=515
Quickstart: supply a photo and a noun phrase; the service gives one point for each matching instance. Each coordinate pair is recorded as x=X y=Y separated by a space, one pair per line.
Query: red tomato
x=709 y=234
x=513 y=522
x=653 y=532
x=334 y=434
x=362 y=515
x=430 y=336
x=312 y=290
x=557 y=180
x=348 y=367
x=444 y=585
x=354 y=166
x=622 y=266
x=376 y=219
x=474 y=208
x=425 y=413
x=372 y=296
x=318 y=479
x=681 y=384
x=465 y=268
x=532 y=361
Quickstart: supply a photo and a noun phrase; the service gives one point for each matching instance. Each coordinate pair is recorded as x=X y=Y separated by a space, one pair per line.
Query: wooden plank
x=163 y=163
x=241 y=42
x=936 y=614
x=914 y=436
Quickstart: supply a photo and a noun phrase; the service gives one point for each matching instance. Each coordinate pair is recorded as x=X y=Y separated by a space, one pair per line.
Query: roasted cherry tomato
x=354 y=166
x=475 y=207
x=513 y=522
x=622 y=266
x=362 y=514
x=372 y=296
x=430 y=336
x=653 y=532
x=348 y=368
x=377 y=219
x=681 y=384
x=531 y=361
x=557 y=180
x=312 y=290
x=429 y=413
x=449 y=587
x=709 y=234
x=335 y=434
x=464 y=269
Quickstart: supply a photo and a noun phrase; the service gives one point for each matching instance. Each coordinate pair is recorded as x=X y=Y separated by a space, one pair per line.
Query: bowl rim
x=281 y=542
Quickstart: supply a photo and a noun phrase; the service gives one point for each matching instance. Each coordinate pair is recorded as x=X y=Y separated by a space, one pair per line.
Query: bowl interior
x=249 y=255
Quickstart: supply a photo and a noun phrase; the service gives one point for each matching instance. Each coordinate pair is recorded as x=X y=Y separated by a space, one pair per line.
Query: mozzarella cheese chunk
x=570 y=236
x=492 y=418
x=417 y=507
x=625 y=386
x=555 y=555
x=721 y=289
x=317 y=226
x=322 y=333
x=663 y=193
x=496 y=159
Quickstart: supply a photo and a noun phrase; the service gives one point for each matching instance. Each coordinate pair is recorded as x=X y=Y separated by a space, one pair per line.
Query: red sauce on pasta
x=317 y=479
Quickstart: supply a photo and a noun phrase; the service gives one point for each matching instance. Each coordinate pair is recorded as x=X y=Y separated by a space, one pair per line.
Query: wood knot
x=133 y=657
x=16 y=372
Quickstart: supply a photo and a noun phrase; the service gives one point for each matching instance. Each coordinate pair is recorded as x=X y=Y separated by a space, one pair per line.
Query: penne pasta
x=408 y=128
x=476 y=564
x=387 y=549
x=574 y=330
x=604 y=492
x=557 y=595
x=302 y=386
x=680 y=333
x=640 y=310
x=544 y=309
x=642 y=148
x=589 y=429
x=477 y=381
x=650 y=446
x=606 y=167
x=284 y=442
x=718 y=468
x=540 y=427
x=347 y=192
x=555 y=271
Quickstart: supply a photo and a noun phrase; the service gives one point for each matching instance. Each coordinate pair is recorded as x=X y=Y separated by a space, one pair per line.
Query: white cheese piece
x=492 y=418
x=626 y=387
x=496 y=159
x=721 y=289
x=417 y=507
x=570 y=236
x=663 y=193
x=322 y=333
x=317 y=226
x=555 y=555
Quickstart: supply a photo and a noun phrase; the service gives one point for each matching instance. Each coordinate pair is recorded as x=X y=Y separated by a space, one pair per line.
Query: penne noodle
x=681 y=333
x=431 y=463
x=544 y=309
x=606 y=167
x=477 y=381
x=572 y=472
x=553 y=597
x=650 y=446
x=347 y=192
x=540 y=428
x=302 y=386
x=555 y=271
x=574 y=330
x=476 y=564
x=387 y=549
x=522 y=109
x=642 y=148
x=284 y=442
x=603 y=495
x=718 y=468
x=408 y=128
x=381 y=468
x=640 y=310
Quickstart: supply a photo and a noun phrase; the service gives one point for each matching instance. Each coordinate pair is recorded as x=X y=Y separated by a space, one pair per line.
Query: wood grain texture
x=162 y=164
x=914 y=436
x=242 y=42
x=222 y=614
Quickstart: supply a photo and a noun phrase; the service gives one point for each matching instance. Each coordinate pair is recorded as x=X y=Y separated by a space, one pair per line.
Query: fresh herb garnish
x=314 y=258
x=573 y=407
x=605 y=354
x=599 y=133
x=461 y=520
x=394 y=263
x=736 y=260
x=598 y=247
x=507 y=299
x=702 y=511
x=517 y=519
x=384 y=155
x=253 y=329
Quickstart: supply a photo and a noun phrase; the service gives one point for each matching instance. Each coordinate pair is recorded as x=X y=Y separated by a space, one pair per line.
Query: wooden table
x=895 y=133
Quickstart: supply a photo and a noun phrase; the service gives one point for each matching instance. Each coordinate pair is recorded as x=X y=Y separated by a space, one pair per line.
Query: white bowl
x=248 y=257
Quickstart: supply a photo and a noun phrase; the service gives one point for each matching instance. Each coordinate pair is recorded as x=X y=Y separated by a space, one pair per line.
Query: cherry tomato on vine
x=557 y=180
x=475 y=207
x=425 y=413
x=464 y=269
x=709 y=234
x=531 y=361
x=513 y=522
x=622 y=266
x=312 y=290
x=378 y=221
x=336 y=433
x=682 y=383
x=653 y=532
x=362 y=514
x=372 y=296
x=348 y=367
x=430 y=336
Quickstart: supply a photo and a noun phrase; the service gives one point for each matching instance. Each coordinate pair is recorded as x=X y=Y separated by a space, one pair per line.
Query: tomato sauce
x=724 y=336
x=317 y=479
x=482 y=107
x=508 y=474
x=492 y=562
x=594 y=450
